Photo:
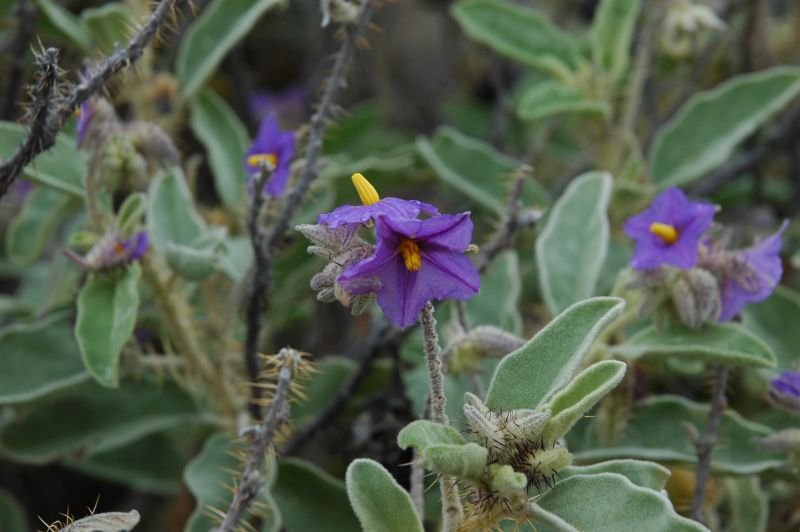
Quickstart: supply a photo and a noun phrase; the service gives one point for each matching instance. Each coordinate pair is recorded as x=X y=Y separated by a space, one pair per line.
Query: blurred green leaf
x=61 y=167
x=570 y=403
x=130 y=213
x=42 y=215
x=109 y=26
x=12 y=514
x=153 y=464
x=92 y=418
x=308 y=497
x=748 y=504
x=226 y=140
x=645 y=474
x=518 y=32
x=531 y=374
x=38 y=358
x=572 y=247
x=222 y=24
x=171 y=216
x=609 y=502
x=191 y=262
x=476 y=169
x=498 y=301
x=549 y=98
x=725 y=343
x=612 y=33
x=107 y=307
x=422 y=434
x=773 y=321
x=657 y=433
x=210 y=477
x=380 y=503
x=66 y=23
x=707 y=129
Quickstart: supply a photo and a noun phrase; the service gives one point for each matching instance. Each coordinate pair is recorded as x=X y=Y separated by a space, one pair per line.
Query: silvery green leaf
x=380 y=503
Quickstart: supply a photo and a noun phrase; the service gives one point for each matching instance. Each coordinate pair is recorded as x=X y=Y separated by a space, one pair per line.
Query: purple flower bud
x=85 y=115
x=785 y=391
x=136 y=246
x=669 y=231
x=275 y=149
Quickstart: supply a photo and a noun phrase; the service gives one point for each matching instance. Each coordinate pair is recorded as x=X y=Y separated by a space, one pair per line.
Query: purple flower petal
x=690 y=219
x=137 y=246
x=271 y=141
x=753 y=276
x=361 y=214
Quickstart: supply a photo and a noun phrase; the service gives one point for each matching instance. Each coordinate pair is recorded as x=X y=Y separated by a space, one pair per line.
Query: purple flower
x=373 y=207
x=415 y=261
x=669 y=231
x=136 y=246
x=85 y=115
x=751 y=275
x=785 y=391
x=275 y=148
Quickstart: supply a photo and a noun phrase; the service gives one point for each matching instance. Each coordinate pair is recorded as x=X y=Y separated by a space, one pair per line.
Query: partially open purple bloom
x=136 y=246
x=752 y=275
x=785 y=391
x=275 y=149
x=669 y=231
x=416 y=261
x=361 y=214
x=85 y=115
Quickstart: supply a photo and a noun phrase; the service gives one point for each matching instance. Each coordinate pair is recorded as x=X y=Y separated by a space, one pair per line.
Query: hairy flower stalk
x=452 y=512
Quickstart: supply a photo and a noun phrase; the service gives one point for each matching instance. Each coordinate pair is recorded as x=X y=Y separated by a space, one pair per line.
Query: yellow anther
x=665 y=232
x=411 y=255
x=257 y=159
x=366 y=192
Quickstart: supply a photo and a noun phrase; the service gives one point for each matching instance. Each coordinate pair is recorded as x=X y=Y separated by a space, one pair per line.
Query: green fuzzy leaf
x=12 y=514
x=506 y=480
x=704 y=133
x=66 y=23
x=528 y=376
x=498 y=301
x=657 y=433
x=609 y=502
x=209 y=477
x=572 y=246
x=380 y=503
x=107 y=307
x=584 y=391
x=226 y=140
x=51 y=428
x=42 y=214
x=308 y=496
x=131 y=212
x=476 y=169
x=612 y=33
x=37 y=359
x=110 y=26
x=222 y=24
x=518 y=32
x=61 y=167
x=153 y=464
x=725 y=343
x=190 y=262
x=171 y=216
x=645 y=474
x=551 y=98
x=748 y=504
x=771 y=320
x=422 y=433
x=462 y=461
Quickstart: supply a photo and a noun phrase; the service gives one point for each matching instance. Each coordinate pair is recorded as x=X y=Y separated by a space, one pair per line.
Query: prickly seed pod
x=484 y=430
x=525 y=425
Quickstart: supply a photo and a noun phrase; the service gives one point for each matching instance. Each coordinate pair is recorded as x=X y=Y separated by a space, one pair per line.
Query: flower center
x=411 y=255
x=665 y=232
x=366 y=192
x=270 y=160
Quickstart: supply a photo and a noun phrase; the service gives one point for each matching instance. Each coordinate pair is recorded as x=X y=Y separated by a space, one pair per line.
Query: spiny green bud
x=525 y=425
x=506 y=481
x=485 y=430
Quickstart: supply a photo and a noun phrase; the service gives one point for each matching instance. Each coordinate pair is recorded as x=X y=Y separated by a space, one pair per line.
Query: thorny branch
x=705 y=445
x=288 y=360
x=25 y=15
x=43 y=137
x=270 y=240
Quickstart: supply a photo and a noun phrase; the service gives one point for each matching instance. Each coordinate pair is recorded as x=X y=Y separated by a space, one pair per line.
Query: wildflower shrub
x=296 y=266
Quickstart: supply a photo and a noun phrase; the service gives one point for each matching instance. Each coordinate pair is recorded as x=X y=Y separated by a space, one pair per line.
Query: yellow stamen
x=257 y=159
x=411 y=255
x=366 y=192
x=665 y=232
